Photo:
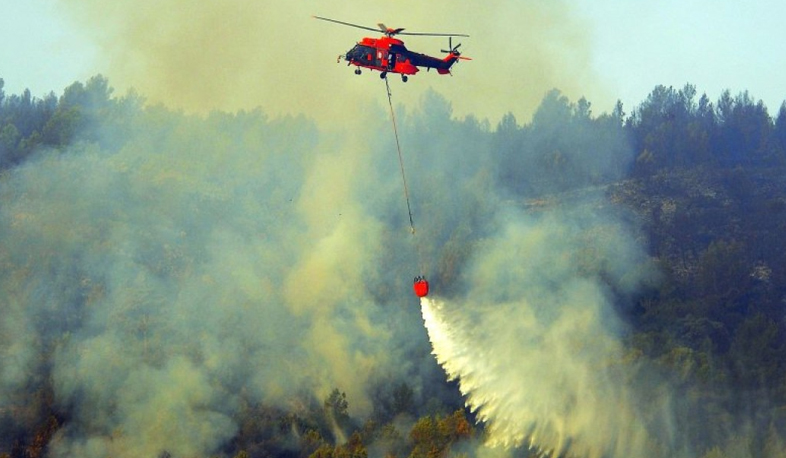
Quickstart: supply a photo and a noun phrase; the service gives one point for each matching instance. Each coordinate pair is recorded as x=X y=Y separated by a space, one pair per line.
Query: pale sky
x=713 y=44
x=620 y=49
x=40 y=50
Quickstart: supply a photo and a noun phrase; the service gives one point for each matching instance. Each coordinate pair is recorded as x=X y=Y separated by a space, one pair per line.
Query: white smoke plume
x=203 y=261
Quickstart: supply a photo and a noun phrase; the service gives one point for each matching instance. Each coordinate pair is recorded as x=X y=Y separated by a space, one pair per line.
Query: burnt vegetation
x=704 y=183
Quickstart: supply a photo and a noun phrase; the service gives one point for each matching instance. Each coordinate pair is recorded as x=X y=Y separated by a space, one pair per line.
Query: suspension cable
x=418 y=247
x=400 y=159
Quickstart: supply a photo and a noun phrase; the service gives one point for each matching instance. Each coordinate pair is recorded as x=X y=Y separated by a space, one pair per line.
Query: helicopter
x=389 y=55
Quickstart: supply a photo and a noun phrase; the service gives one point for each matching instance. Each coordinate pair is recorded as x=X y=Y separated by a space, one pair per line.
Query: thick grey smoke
x=205 y=259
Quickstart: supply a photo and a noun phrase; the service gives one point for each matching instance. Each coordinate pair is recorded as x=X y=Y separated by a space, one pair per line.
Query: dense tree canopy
x=705 y=181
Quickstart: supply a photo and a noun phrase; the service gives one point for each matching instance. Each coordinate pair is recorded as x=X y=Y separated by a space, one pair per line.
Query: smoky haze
x=204 y=260
x=183 y=263
x=242 y=54
x=168 y=268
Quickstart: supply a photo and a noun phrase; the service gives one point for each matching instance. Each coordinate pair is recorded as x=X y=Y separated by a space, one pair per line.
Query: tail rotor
x=453 y=50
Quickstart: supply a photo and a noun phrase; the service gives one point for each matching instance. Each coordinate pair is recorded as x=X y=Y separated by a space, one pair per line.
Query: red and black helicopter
x=389 y=55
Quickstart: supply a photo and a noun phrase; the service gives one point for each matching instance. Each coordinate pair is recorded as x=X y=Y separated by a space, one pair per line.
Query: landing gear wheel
x=383 y=75
x=404 y=78
x=357 y=71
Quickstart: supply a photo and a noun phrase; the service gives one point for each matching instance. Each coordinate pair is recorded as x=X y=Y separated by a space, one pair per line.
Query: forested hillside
x=113 y=212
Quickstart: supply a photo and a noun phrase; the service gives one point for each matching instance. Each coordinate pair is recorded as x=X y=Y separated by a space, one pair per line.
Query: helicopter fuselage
x=387 y=54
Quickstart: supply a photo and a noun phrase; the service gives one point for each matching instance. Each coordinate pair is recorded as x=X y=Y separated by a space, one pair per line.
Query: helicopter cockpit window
x=361 y=53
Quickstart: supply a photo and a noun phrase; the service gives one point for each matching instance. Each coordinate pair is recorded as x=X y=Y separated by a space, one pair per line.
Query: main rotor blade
x=346 y=23
x=386 y=30
x=435 y=34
